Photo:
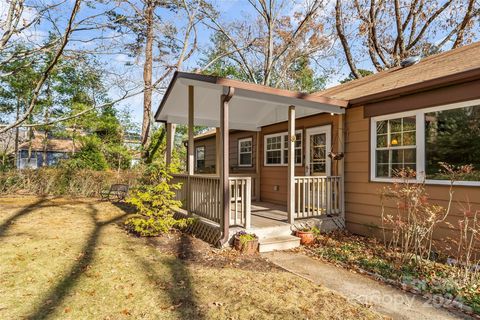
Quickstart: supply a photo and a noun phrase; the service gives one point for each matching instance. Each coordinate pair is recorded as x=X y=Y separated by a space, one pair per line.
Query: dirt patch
x=194 y=251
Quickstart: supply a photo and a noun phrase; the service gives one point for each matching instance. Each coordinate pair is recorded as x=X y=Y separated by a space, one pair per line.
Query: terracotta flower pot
x=306 y=237
x=248 y=247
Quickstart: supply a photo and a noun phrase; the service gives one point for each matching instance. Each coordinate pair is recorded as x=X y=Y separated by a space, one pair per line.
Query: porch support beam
x=218 y=155
x=225 y=169
x=191 y=146
x=341 y=163
x=291 y=165
x=170 y=142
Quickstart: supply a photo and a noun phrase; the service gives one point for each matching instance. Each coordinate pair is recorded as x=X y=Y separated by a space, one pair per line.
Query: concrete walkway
x=383 y=298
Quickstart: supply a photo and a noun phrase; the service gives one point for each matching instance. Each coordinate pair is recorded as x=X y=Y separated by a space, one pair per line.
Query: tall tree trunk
x=343 y=39
x=147 y=74
x=46 y=131
x=17 y=136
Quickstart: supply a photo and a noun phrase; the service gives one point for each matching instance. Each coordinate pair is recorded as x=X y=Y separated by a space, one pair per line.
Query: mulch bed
x=192 y=250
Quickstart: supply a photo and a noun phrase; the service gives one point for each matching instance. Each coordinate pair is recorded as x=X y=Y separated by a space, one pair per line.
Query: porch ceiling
x=252 y=106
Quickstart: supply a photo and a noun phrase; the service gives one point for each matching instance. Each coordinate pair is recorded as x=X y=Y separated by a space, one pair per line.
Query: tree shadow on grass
x=54 y=297
x=180 y=291
x=26 y=210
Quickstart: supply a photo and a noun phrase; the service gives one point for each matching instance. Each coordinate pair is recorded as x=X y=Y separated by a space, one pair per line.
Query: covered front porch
x=227 y=202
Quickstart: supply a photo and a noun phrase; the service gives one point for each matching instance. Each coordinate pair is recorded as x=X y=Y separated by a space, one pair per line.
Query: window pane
x=382 y=170
x=382 y=141
x=382 y=127
x=274 y=143
x=298 y=156
x=200 y=153
x=395 y=125
x=409 y=123
x=246 y=159
x=274 y=157
x=409 y=139
x=453 y=137
x=298 y=149
x=410 y=156
x=382 y=156
x=396 y=140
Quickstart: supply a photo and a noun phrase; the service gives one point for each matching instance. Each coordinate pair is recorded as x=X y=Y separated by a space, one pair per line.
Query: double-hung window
x=425 y=139
x=276 y=149
x=200 y=158
x=395 y=145
x=245 y=152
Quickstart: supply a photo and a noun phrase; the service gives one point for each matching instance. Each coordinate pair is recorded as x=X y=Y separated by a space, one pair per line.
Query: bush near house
x=155 y=202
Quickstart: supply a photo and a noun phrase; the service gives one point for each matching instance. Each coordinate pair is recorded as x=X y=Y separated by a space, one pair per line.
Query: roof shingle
x=433 y=67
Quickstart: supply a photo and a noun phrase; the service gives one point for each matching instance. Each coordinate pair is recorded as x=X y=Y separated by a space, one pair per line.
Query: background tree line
x=69 y=80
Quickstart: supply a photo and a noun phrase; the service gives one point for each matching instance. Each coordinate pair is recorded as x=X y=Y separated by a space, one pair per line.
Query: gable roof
x=53 y=145
x=251 y=107
x=458 y=65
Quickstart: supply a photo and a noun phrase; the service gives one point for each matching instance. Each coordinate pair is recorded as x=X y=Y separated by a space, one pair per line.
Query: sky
x=124 y=71
x=119 y=67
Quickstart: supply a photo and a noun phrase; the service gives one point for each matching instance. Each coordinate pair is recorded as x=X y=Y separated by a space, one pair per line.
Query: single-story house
x=41 y=155
x=278 y=158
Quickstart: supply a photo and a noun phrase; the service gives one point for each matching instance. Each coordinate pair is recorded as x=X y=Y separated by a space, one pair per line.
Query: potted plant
x=245 y=242
x=307 y=234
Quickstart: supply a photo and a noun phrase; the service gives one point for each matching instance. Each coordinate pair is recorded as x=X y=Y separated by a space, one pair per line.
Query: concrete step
x=270 y=232
x=278 y=243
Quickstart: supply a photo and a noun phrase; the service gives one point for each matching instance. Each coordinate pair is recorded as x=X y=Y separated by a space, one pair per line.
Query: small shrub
x=155 y=205
x=245 y=237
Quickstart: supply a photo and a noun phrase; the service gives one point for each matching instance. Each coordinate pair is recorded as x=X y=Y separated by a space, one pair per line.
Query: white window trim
x=282 y=148
x=240 y=152
x=420 y=143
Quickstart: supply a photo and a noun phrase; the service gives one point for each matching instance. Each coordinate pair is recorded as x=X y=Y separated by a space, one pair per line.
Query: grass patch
x=71 y=259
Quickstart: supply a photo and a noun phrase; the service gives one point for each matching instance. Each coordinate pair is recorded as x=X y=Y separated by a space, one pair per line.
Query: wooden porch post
x=257 y=168
x=225 y=168
x=191 y=146
x=218 y=147
x=341 y=163
x=291 y=165
x=170 y=142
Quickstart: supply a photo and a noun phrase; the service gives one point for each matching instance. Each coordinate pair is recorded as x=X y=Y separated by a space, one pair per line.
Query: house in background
x=132 y=141
x=35 y=154
x=279 y=159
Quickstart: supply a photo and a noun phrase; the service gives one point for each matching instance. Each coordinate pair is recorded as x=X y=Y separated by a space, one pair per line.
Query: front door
x=318 y=145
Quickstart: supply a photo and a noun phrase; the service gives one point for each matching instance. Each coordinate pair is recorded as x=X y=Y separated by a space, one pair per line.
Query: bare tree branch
x=47 y=71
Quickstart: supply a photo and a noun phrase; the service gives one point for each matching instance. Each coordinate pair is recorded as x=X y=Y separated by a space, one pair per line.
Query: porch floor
x=265 y=214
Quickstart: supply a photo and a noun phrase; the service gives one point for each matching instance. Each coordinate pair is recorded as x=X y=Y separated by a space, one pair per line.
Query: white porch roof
x=251 y=107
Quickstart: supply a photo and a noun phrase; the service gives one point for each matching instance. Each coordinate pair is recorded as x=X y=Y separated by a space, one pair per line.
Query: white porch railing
x=254 y=180
x=201 y=195
x=317 y=196
x=240 y=206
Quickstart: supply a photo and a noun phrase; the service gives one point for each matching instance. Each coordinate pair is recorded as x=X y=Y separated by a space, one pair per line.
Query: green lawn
x=70 y=259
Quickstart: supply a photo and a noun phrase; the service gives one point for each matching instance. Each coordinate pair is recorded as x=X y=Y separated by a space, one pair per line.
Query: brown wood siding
x=273 y=177
x=362 y=197
x=432 y=98
x=210 y=151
